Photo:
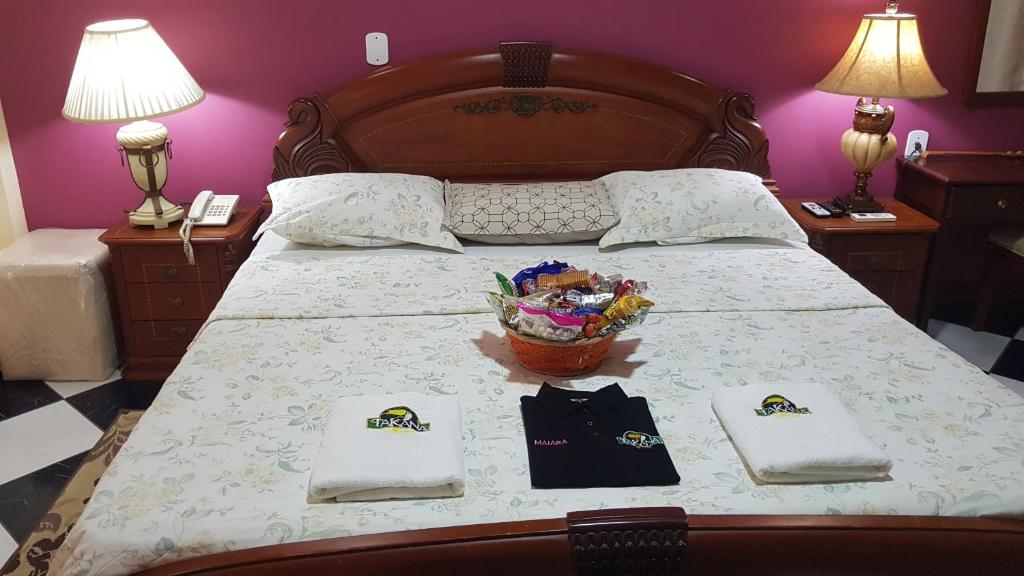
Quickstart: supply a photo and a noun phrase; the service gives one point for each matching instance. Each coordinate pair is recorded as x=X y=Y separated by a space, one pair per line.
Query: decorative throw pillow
x=694 y=205
x=355 y=209
x=536 y=213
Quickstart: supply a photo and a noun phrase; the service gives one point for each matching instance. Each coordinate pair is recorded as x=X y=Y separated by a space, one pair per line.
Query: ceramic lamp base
x=146 y=150
x=866 y=145
x=146 y=214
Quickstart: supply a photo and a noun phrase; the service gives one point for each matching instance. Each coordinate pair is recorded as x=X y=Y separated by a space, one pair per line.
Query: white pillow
x=693 y=205
x=357 y=209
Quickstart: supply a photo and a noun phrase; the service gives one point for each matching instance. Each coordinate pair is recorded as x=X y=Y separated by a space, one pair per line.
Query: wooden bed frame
x=526 y=113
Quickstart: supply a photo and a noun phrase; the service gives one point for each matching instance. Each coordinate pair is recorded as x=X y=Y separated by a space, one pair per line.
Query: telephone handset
x=207 y=210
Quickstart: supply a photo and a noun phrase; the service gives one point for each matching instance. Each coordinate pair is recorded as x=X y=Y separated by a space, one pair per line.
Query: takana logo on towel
x=778 y=404
x=398 y=418
x=639 y=439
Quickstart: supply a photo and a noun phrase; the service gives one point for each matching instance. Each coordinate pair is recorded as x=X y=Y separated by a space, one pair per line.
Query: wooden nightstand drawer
x=162 y=301
x=172 y=301
x=168 y=264
x=986 y=204
x=164 y=338
x=899 y=289
x=880 y=252
x=889 y=258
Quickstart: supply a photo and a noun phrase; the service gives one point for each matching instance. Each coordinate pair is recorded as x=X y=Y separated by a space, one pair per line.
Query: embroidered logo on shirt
x=398 y=418
x=778 y=404
x=562 y=442
x=639 y=439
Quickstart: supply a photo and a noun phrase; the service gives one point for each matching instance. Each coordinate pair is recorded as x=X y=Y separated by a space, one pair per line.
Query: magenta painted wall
x=254 y=56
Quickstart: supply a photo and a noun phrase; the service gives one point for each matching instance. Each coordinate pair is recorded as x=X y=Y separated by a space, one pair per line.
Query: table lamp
x=126 y=73
x=884 y=60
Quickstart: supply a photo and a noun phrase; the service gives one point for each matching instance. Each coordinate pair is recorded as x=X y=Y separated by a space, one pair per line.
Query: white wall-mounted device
x=377 y=48
x=915 y=138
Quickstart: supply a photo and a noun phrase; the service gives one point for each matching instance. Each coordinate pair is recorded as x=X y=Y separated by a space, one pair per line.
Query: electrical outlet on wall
x=915 y=138
x=377 y=48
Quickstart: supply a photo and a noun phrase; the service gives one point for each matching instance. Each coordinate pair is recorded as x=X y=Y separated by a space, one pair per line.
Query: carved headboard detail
x=525 y=64
x=525 y=112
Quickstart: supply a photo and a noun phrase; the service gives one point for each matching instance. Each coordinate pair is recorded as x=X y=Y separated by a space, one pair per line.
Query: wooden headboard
x=525 y=112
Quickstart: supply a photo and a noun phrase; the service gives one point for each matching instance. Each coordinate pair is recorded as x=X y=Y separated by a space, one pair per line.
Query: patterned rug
x=32 y=558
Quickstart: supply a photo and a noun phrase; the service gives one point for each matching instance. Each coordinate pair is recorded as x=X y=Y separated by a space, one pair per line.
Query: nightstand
x=889 y=258
x=162 y=301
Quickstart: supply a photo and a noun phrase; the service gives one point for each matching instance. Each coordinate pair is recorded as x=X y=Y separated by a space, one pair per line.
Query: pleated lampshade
x=885 y=60
x=125 y=72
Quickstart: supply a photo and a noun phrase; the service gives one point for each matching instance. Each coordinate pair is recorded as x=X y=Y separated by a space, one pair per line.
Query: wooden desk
x=969 y=196
x=888 y=258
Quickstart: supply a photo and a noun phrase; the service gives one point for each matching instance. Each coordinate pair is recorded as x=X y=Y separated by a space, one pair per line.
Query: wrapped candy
x=606 y=283
x=548 y=324
x=533 y=273
x=631 y=321
x=627 y=312
x=626 y=306
x=496 y=302
x=599 y=300
x=568 y=280
x=506 y=286
x=555 y=301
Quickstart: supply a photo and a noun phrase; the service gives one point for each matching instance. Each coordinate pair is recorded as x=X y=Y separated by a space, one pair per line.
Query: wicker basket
x=559 y=358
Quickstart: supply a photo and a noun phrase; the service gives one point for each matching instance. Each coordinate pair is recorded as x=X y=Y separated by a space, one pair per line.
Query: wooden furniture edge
x=233 y=231
x=922 y=224
x=702 y=535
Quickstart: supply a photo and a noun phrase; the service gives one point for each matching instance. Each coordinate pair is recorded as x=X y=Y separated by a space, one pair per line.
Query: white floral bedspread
x=312 y=287
x=221 y=459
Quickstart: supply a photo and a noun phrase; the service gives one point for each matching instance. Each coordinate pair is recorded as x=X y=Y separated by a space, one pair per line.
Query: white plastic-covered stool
x=55 y=319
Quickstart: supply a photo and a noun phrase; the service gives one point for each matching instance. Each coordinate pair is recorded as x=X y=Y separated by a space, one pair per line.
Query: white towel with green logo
x=797 y=433
x=390 y=446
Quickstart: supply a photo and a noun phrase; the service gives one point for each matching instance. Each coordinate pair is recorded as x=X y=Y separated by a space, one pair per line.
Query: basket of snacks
x=561 y=320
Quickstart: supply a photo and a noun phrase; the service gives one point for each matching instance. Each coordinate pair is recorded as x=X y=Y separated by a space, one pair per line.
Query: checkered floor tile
x=45 y=430
x=46 y=427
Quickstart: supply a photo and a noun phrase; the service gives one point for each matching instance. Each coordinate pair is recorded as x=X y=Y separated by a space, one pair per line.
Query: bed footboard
x=649 y=541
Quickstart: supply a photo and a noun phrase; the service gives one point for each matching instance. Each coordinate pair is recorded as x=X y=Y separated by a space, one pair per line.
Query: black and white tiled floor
x=46 y=428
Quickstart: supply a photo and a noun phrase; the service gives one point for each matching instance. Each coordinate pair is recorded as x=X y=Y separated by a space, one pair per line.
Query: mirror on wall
x=997 y=70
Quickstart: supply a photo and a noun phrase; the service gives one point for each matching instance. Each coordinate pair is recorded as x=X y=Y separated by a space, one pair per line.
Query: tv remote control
x=834 y=210
x=816 y=209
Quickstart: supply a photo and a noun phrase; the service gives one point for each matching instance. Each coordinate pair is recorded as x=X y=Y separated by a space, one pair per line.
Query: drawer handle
x=1001 y=203
x=874 y=261
x=178 y=332
x=171 y=272
x=175 y=302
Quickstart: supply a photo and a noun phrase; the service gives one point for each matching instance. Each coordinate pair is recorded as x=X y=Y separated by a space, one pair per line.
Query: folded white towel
x=390 y=446
x=797 y=433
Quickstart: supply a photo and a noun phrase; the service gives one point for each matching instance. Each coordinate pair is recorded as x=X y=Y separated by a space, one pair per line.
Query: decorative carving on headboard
x=312 y=150
x=738 y=142
x=525 y=105
x=635 y=541
x=525 y=64
x=597 y=113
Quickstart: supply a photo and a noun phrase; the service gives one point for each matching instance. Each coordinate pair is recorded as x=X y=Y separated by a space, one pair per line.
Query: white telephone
x=207 y=210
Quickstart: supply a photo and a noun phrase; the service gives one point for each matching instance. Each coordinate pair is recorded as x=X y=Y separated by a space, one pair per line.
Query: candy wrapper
x=548 y=324
x=526 y=279
x=555 y=301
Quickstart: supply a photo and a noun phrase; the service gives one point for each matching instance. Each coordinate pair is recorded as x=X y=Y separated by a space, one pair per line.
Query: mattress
x=221 y=460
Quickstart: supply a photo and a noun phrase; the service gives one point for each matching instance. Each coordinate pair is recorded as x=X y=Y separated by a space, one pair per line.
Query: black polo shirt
x=588 y=439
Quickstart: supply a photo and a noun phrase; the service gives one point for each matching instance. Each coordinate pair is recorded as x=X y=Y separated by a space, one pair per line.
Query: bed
x=213 y=479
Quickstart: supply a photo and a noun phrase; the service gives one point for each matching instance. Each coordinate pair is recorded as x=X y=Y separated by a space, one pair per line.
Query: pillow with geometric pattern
x=532 y=213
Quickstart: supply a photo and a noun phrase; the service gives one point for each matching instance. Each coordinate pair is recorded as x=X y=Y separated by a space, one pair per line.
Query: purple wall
x=253 y=56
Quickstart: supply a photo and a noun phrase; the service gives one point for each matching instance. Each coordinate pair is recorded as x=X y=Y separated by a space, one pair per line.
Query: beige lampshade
x=885 y=60
x=126 y=72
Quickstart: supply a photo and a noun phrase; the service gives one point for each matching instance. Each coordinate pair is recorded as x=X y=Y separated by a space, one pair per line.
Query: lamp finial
x=892 y=7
